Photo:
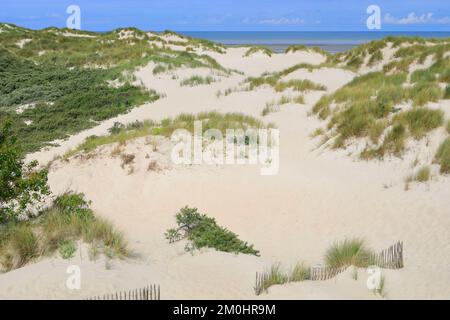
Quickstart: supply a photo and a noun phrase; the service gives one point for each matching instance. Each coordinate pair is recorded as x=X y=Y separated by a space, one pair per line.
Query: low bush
x=203 y=231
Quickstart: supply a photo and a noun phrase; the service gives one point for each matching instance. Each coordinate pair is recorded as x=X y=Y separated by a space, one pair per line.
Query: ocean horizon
x=332 y=41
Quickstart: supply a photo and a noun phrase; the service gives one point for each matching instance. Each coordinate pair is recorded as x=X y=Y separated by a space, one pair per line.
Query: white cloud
x=413 y=18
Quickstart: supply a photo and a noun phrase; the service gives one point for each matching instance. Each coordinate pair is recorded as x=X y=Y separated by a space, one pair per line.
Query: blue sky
x=231 y=15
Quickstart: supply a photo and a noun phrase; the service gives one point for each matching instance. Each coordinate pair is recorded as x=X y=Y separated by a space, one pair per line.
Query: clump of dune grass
x=422 y=175
x=420 y=121
x=298 y=85
x=376 y=57
x=424 y=92
x=448 y=126
x=295 y=48
x=196 y=80
x=348 y=252
x=275 y=276
x=56 y=229
x=443 y=156
x=300 y=272
x=209 y=120
x=447 y=93
x=264 y=50
x=18 y=246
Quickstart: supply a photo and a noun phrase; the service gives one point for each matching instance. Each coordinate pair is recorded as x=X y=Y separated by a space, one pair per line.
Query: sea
x=278 y=41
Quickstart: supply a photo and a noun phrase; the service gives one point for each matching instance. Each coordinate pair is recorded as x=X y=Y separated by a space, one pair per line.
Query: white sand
x=319 y=196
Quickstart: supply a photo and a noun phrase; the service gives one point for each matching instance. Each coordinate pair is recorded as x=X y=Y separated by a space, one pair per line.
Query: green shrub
x=443 y=156
x=67 y=249
x=20 y=184
x=203 y=231
x=348 y=252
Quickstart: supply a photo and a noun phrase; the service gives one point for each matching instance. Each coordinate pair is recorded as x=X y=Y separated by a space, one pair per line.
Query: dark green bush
x=203 y=231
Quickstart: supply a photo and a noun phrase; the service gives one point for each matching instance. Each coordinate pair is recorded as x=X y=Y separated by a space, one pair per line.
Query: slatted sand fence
x=151 y=292
x=390 y=258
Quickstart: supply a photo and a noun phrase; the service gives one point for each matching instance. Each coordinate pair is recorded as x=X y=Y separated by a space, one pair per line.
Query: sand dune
x=319 y=196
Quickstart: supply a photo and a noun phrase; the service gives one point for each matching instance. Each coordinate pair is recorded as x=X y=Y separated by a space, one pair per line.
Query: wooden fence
x=390 y=258
x=151 y=292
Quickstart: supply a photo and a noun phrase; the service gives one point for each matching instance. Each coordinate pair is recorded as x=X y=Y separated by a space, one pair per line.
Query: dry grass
x=56 y=229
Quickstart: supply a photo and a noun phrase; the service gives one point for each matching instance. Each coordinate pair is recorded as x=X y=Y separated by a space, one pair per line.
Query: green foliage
x=69 y=219
x=20 y=185
x=64 y=101
x=348 y=252
x=443 y=156
x=67 y=249
x=203 y=231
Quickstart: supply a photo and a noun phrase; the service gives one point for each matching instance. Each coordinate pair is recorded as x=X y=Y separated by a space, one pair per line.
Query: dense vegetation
x=61 y=81
x=203 y=231
x=57 y=229
x=27 y=230
x=60 y=101
x=21 y=185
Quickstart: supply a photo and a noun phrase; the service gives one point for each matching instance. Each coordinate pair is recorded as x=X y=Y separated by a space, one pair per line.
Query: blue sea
x=278 y=41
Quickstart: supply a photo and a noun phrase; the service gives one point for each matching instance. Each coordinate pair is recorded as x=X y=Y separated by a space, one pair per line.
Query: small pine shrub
x=203 y=231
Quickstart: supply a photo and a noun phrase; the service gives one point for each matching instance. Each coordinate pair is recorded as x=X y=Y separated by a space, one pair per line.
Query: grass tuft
x=348 y=252
x=443 y=156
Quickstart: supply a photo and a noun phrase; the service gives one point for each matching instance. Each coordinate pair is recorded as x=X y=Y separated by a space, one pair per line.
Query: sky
x=231 y=15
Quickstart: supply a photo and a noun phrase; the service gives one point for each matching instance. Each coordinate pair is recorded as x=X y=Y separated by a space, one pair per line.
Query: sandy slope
x=319 y=196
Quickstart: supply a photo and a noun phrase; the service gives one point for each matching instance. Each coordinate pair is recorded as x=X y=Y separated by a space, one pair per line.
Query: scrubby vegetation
x=21 y=185
x=274 y=105
x=210 y=120
x=196 y=80
x=56 y=229
x=367 y=108
x=62 y=83
x=202 y=231
x=253 y=50
x=28 y=230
